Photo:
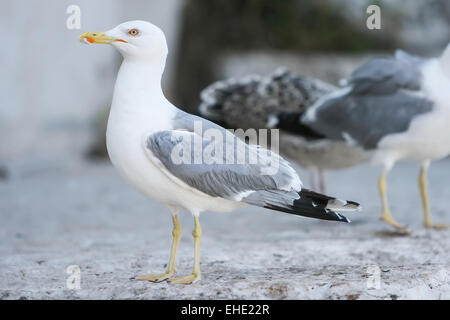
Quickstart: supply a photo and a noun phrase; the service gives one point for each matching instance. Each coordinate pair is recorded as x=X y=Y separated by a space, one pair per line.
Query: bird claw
x=398 y=227
x=155 y=277
x=436 y=226
x=186 y=279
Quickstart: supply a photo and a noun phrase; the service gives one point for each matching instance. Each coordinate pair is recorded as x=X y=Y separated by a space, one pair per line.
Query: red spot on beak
x=90 y=40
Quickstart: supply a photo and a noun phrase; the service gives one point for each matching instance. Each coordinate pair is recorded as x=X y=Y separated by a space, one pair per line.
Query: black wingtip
x=342 y=218
x=309 y=211
x=354 y=205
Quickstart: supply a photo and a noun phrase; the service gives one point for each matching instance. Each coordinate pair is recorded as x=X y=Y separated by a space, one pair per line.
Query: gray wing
x=220 y=166
x=407 y=57
x=383 y=97
x=250 y=101
x=387 y=75
x=202 y=163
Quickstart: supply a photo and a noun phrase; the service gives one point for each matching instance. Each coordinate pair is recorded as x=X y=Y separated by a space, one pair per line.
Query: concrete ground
x=53 y=216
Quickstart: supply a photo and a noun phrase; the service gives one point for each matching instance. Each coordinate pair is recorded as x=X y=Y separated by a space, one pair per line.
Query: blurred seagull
x=147 y=137
x=396 y=108
x=279 y=101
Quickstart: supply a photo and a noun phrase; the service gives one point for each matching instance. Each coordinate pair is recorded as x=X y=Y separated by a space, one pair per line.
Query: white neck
x=138 y=84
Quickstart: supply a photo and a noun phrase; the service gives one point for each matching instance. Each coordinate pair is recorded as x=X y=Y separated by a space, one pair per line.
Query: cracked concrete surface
x=79 y=213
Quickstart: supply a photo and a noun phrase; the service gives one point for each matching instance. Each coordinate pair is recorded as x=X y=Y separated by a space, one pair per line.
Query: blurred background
x=56 y=181
x=55 y=92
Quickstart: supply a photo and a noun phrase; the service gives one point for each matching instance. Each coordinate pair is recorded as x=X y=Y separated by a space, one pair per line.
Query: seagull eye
x=133 y=32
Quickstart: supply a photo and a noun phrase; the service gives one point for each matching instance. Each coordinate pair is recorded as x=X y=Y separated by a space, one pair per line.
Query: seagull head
x=134 y=40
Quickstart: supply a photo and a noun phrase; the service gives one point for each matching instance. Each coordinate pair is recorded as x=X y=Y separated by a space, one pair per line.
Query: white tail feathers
x=342 y=205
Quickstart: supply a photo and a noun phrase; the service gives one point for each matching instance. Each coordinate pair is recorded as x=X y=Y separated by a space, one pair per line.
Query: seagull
x=179 y=160
x=396 y=108
x=279 y=101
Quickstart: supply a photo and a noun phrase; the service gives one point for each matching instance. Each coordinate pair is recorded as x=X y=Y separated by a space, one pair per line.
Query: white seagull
x=158 y=149
x=396 y=108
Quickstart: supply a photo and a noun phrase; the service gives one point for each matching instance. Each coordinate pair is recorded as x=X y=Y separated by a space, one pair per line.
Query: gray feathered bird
x=396 y=108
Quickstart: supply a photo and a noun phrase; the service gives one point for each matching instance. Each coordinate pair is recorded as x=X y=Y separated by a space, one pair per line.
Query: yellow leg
x=176 y=233
x=196 y=275
x=386 y=215
x=424 y=194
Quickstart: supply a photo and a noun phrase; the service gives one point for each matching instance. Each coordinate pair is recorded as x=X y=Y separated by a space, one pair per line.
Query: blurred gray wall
x=52 y=86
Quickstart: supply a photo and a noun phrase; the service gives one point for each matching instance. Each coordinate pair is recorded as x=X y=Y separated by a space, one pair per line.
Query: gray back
x=384 y=97
x=227 y=173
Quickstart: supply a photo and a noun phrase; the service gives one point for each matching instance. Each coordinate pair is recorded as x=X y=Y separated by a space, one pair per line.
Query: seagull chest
x=427 y=138
x=124 y=140
x=124 y=143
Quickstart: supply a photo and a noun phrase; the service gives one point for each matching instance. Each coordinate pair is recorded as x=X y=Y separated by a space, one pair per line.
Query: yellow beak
x=98 y=37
